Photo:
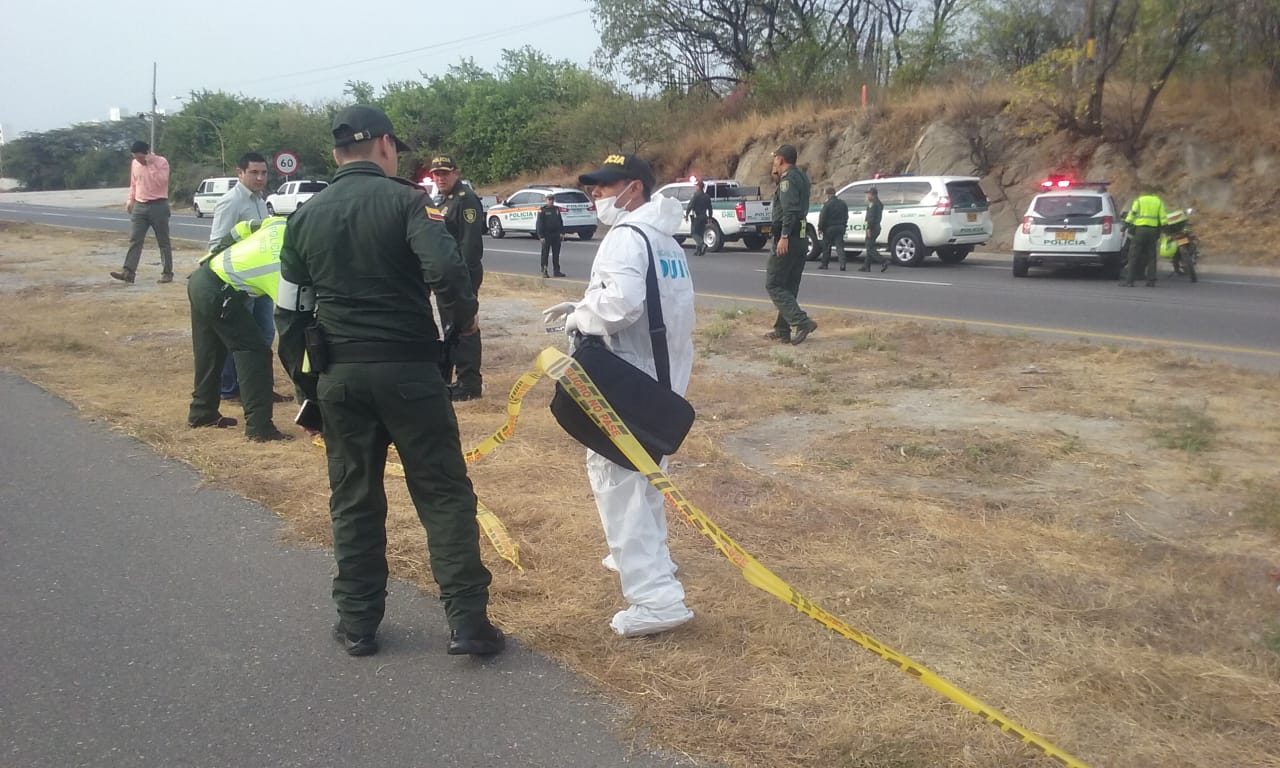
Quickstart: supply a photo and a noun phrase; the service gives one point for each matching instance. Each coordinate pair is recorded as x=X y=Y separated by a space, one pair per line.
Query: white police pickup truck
x=739 y=214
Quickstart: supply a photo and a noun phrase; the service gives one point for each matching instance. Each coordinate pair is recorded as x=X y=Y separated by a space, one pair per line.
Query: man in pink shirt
x=148 y=207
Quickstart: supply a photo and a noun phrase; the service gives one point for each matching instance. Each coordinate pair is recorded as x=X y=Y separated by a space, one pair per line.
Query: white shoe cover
x=638 y=621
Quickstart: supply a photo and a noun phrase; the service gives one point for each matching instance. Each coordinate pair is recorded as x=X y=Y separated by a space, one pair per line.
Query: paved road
x=1230 y=314
x=151 y=621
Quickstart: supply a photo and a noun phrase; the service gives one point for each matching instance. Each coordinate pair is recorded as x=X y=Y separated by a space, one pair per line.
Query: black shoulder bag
x=657 y=416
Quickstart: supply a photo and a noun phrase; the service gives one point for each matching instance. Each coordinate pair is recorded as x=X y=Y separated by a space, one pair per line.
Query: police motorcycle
x=1179 y=244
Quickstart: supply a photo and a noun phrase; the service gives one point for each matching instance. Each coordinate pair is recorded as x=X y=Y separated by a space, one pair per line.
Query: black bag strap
x=653 y=306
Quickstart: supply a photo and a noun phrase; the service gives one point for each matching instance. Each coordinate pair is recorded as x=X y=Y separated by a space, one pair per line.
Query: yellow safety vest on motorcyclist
x=1147 y=211
x=252 y=265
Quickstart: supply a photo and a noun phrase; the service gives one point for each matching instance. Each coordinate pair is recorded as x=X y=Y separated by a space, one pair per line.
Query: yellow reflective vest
x=252 y=265
x=1147 y=211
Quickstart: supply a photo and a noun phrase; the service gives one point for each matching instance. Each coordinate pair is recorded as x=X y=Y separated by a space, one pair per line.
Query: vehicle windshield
x=1067 y=206
x=312 y=186
x=572 y=197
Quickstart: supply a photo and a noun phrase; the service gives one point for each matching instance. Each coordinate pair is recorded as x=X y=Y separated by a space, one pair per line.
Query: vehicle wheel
x=495 y=228
x=1189 y=262
x=813 y=244
x=1020 y=265
x=199 y=213
x=713 y=238
x=271 y=211
x=1112 y=266
x=586 y=234
x=754 y=242
x=905 y=247
x=953 y=254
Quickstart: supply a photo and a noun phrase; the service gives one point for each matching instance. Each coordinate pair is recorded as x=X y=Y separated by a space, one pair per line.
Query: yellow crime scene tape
x=564 y=369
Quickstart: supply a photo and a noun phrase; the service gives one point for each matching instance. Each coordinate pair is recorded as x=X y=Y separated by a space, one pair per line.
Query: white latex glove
x=571 y=324
x=554 y=314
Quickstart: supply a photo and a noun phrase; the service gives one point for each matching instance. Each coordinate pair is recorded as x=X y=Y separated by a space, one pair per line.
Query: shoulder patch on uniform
x=469 y=214
x=785 y=185
x=433 y=213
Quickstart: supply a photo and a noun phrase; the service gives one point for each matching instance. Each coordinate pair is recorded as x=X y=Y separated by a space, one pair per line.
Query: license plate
x=1065 y=236
x=972 y=217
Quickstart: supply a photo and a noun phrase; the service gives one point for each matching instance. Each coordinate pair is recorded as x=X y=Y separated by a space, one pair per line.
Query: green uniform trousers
x=366 y=407
x=1142 y=254
x=782 y=282
x=871 y=251
x=221 y=323
x=467 y=352
x=833 y=240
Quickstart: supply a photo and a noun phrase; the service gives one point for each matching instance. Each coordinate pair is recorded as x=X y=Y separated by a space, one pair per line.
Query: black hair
x=249 y=157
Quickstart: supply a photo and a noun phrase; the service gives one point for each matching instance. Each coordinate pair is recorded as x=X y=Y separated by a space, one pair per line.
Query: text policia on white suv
x=946 y=215
x=519 y=213
x=1070 y=223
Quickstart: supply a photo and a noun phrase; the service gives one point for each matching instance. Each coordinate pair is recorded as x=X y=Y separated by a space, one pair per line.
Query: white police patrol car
x=1070 y=223
x=519 y=213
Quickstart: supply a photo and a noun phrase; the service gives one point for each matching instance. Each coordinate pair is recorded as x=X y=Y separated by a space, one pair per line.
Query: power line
x=414 y=51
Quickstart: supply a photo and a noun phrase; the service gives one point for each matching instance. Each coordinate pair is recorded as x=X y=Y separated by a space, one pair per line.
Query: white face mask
x=607 y=211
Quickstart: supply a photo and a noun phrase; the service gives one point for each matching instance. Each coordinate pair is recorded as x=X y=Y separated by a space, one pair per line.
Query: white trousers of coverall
x=635 y=528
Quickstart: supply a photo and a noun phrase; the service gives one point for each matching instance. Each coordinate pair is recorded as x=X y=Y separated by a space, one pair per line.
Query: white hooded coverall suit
x=631 y=509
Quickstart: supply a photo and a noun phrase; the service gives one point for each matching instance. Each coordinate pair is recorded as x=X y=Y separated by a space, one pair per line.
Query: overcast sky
x=69 y=61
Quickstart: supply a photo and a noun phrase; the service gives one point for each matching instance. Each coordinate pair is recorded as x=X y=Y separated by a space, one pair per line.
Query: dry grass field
x=1083 y=536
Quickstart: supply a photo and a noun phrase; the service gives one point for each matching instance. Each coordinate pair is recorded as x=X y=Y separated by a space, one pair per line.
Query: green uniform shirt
x=835 y=213
x=373 y=249
x=790 y=201
x=464 y=215
x=875 y=212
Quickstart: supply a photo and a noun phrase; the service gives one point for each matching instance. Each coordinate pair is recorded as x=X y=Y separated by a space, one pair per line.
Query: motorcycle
x=1180 y=245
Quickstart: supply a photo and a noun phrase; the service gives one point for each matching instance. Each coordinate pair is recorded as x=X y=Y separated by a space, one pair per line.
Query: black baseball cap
x=618 y=167
x=363 y=123
x=443 y=163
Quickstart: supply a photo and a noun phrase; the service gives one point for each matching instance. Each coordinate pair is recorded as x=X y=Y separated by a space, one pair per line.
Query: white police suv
x=1070 y=223
x=519 y=212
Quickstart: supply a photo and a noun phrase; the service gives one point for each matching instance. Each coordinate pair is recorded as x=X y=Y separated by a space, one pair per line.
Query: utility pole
x=153 y=106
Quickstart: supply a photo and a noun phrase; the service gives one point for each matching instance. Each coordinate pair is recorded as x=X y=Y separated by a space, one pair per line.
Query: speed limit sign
x=286 y=163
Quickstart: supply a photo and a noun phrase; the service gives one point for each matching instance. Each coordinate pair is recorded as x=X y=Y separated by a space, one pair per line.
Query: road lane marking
x=876 y=279
x=1197 y=345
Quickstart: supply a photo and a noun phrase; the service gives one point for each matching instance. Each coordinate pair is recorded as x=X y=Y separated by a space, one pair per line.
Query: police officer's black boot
x=478 y=639
x=355 y=645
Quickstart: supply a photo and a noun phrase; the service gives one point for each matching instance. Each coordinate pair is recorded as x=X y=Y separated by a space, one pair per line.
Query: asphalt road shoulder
x=152 y=620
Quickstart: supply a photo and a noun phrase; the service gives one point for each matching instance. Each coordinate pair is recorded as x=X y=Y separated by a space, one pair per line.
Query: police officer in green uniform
x=875 y=215
x=464 y=216
x=221 y=322
x=1145 y=218
x=832 y=222
x=367 y=253
x=786 y=262
x=549 y=227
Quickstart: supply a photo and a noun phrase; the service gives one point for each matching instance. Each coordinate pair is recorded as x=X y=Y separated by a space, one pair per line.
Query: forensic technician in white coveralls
x=613 y=307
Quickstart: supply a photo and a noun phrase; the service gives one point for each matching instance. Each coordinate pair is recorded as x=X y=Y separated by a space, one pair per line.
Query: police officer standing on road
x=359 y=265
x=875 y=214
x=1145 y=218
x=699 y=214
x=548 y=228
x=786 y=263
x=464 y=215
x=832 y=222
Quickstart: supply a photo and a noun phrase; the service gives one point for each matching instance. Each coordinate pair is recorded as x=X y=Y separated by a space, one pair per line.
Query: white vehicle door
x=684 y=194
x=522 y=211
x=855 y=196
